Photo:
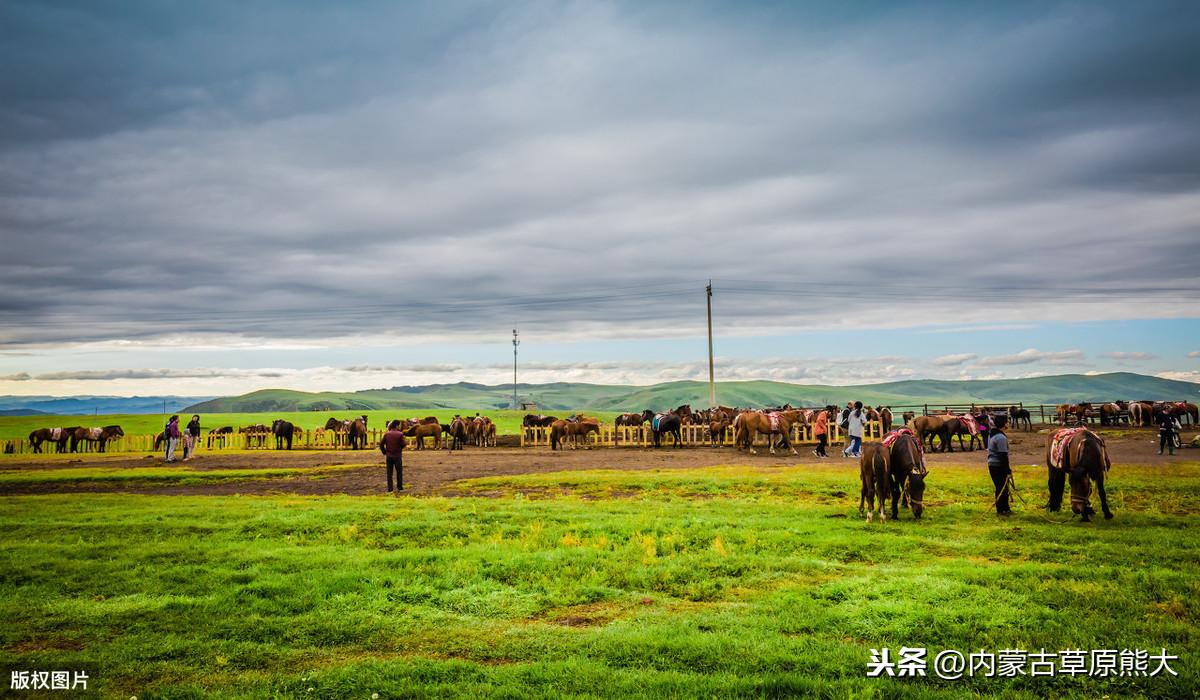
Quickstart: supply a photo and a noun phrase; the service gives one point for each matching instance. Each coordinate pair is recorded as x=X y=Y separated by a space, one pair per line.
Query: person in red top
x=392 y=446
x=821 y=432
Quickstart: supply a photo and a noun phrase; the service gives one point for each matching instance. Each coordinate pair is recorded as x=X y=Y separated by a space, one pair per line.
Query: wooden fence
x=316 y=439
x=693 y=436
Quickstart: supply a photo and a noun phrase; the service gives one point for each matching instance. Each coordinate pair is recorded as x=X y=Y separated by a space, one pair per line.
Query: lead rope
x=1010 y=486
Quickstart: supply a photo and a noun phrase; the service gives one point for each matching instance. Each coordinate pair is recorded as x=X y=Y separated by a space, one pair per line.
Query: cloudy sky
x=207 y=198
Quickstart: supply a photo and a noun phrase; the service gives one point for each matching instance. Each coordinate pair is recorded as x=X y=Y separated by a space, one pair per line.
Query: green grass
x=730 y=581
x=507 y=422
x=159 y=474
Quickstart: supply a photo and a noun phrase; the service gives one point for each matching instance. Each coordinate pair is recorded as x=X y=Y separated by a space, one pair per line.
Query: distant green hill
x=1062 y=388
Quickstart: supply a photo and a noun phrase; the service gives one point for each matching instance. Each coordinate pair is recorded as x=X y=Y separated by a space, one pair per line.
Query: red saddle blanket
x=773 y=421
x=1058 y=444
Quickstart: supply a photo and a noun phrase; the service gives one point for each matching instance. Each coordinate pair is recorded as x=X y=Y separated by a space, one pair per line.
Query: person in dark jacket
x=392 y=446
x=998 y=466
x=191 y=438
x=1168 y=426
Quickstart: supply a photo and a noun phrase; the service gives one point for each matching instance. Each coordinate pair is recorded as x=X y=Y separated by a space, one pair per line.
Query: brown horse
x=421 y=431
x=563 y=429
x=532 y=421
x=630 y=420
x=748 y=425
x=885 y=418
x=907 y=417
x=953 y=426
x=685 y=414
x=716 y=431
x=458 y=433
x=1084 y=460
x=925 y=427
x=59 y=436
x=1110 y=414
x=101 y=436
x=256 y=435
x=1140 y=413
x=218 y=436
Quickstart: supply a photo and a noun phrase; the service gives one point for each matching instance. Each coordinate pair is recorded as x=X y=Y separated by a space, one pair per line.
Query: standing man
x=821 y=432
x=392 y=446
x=171 y=437
x=1168 y=426
x=998 y=466
x=191 y=438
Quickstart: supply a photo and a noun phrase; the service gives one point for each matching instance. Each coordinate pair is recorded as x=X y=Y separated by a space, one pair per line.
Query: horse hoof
x=1108 y=516
x=868 y=517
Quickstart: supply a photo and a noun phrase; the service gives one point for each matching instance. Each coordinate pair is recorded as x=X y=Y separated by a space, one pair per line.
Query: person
x=998 y=466
x=844 y=421
x=191 y=438
x=1168 y=426
x=984 y=421
x=855 y=422
x=821 y=432
x=392 y=446
x=171 y=437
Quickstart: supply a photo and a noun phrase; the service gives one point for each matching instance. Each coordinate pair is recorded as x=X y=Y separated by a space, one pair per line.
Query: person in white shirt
x=854 y=431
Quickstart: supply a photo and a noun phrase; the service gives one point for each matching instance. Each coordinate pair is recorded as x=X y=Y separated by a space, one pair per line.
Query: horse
x=97 y=435
x=1110 y=414
x=421 y=431
x=685 y=414
x=716 y=431
x=630 y=420
x=885 y=418
x=664 y=423
x=1140 y=412
x=256 y=434
x=356 y=434
x=59 y=436
x=896 y=470
x=1017 y=416
x=958 y=426
x=532 y=421
x=563 y=429
x=218 y=436
x=1084 y=460
x=1188 y=410
x=749 y=425
x=907 y=417
x=925 y=427
x=283 y=432
x=458 y=433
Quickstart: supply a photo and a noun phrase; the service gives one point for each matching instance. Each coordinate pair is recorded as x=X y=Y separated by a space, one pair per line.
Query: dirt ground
x=434 y=472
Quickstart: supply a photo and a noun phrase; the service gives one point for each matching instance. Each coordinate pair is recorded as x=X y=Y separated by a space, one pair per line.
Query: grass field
x=717 y=581
x=507 y=422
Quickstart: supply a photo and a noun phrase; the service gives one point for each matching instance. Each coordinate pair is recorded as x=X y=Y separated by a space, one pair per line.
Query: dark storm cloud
x=314 y=170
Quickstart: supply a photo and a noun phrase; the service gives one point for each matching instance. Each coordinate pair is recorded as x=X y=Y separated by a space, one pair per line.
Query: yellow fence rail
x=693 y=436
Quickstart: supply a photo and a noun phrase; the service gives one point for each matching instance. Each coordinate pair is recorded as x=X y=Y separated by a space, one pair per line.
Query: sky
x=211 y=198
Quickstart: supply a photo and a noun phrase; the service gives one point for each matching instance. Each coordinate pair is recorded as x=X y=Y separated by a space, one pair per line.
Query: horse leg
x=895 y=500
x=1057 y=482
x=750 y=437
x=1103 y=497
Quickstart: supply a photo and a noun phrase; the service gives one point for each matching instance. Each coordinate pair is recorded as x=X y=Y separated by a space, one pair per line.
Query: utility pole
x=516 y=342
x=712 y=387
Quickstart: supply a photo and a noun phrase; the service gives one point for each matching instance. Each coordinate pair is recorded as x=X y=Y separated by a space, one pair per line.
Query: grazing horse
x=1017 y=416
x=563 y=429
x=97 y=435
x=1080 y=456
x=669 y=423
x=748 y=425
x=894 y=468
x=283 y=432
x=59 y=436
x=421 y=431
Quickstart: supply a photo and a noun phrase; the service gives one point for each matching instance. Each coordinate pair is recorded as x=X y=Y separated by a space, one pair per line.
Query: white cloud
x=1184 y=376
x=1194 y=353
x=1033 y=355
x=953 y=360
x=1139 y=356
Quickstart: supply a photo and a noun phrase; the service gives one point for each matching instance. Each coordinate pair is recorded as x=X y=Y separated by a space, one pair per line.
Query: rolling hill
x=566 y=396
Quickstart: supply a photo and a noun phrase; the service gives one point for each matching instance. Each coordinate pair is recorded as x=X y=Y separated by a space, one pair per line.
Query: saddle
x=891 y=438
x=657 y=420
x=972 y=424
x=773 y=421
x=95 y=433
x=1058 y=444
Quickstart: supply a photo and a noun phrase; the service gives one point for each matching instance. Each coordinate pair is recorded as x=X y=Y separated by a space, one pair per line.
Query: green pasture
x=507 y=422
x=727 y=581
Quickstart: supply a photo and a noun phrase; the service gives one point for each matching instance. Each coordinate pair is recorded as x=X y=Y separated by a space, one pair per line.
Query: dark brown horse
x=885 y=418
x=897 y=472
x=1018 y=416
x=1084 y=460
x=458 y=433
x=283 y=432
x=532 y=421
x=218 y=436
x=685 y=414
x=668 y=423
x=630 y=420
x=59 y=436
x=256 y=435
x=926 y=427
x=101 y=436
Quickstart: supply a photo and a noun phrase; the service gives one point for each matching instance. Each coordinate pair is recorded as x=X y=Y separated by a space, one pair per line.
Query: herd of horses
x=75 y=437
x=1139 y=413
